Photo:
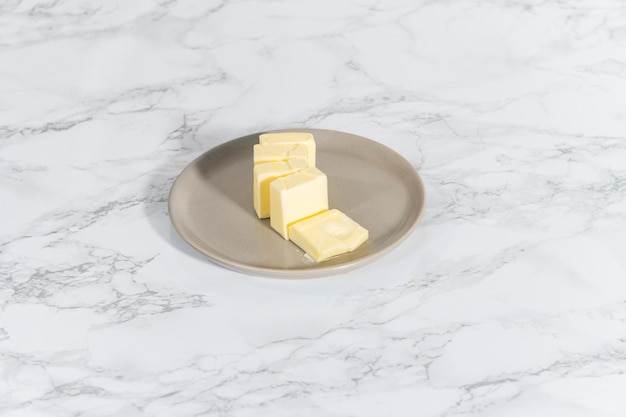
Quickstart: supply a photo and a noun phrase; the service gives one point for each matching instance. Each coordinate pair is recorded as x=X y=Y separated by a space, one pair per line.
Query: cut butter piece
x=280 y=152
x=291 y=138
x=264 y=174
x=327 y=234
x=297 y=196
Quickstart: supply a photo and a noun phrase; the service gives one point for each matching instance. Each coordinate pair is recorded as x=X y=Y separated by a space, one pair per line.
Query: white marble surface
x=509 y=299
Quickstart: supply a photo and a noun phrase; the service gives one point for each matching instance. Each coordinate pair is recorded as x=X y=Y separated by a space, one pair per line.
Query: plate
x=210 y=205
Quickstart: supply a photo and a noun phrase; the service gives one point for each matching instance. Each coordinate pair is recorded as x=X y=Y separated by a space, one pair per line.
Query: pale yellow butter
x=291 y=138
x=280 y=152
x=327 y=234
x=264 y=174
x=297 y=196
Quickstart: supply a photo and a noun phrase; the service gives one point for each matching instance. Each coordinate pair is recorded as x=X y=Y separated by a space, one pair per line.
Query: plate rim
x=281 y=273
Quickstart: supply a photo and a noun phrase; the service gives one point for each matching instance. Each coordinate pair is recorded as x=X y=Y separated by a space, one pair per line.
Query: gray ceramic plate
x=210 y=205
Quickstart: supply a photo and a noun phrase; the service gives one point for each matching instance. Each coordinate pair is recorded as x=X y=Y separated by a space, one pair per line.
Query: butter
x=327 y=234
x=297 y=196
x=291 y=138
x=264 y=174
x=280 y=152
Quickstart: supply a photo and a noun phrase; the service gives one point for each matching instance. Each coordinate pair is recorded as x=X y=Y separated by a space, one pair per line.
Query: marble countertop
x=508 y=299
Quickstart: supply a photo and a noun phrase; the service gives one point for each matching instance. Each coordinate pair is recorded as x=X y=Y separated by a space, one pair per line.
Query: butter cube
x=327 y=234
x=297 y=196
x=264 y=174
x=291 y=138
x=280 y=152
